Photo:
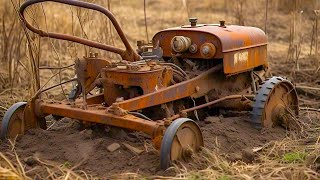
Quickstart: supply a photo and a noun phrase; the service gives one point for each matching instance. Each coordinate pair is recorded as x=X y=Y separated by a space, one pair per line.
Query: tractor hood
x=225 y=38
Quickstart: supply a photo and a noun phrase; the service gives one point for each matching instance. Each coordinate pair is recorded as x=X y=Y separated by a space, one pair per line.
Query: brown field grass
x=295 y=157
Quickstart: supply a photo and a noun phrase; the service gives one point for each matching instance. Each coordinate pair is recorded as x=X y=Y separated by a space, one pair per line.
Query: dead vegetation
x=14 y=169
x=290 y=36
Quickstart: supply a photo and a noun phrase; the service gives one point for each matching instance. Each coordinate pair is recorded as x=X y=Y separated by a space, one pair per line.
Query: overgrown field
x=233 y=150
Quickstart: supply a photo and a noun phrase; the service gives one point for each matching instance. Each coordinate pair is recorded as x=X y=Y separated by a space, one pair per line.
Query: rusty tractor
x=184 y=73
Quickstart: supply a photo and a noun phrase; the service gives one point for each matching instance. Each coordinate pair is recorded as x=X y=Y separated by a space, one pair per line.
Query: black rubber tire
x=165 y=151
x=262 y=97
x=7 y=117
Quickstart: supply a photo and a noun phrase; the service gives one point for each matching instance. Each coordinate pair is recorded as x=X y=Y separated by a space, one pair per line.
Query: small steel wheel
x=13 y=121
x=182 y=138
x=275 y=104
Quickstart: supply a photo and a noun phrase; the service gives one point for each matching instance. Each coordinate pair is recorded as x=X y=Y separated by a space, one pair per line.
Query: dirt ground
x=68 y=143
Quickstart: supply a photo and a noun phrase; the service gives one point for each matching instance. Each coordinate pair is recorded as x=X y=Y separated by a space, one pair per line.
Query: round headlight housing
x=208 y=50
x=180 y=44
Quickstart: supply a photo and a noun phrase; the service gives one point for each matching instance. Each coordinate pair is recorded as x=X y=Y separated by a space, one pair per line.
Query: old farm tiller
x=159 y=88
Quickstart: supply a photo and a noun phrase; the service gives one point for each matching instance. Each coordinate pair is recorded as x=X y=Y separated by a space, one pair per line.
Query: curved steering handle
x=128 y=54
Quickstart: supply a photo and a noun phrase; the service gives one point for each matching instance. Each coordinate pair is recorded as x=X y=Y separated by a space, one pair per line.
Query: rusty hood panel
x=231 y=37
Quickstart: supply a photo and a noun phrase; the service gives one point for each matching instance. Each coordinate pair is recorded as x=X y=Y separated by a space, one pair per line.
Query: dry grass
x=294 y=157
x=12 y=168
x=10 y=171
x=284 y=159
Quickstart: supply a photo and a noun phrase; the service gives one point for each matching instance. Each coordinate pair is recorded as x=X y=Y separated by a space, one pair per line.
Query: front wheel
x=182 y=138
x=13 y=121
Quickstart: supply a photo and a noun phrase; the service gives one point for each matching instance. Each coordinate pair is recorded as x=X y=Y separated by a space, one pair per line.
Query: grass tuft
x=294 y=157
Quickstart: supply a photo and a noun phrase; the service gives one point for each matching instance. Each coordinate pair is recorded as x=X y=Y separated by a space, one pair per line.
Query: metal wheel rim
x=280 y=97
x=13 y=121
x=181 y=139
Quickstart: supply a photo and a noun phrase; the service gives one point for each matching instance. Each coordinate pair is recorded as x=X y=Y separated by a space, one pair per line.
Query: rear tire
x=275 y=104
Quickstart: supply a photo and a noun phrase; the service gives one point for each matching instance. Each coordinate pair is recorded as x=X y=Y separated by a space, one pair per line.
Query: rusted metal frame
x=184 y=112
x=171 y=93
x=91 y=100
x=217 y=101
x=241 y=104
x=131 y=122
x=128 y=54
x=89 y=69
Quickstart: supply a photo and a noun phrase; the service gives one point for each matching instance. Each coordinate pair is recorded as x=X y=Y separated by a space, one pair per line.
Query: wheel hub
x=187 y=153
x=185 y=142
